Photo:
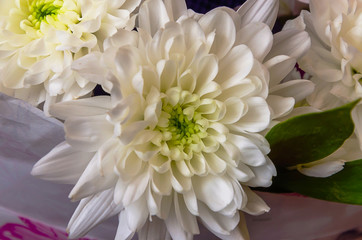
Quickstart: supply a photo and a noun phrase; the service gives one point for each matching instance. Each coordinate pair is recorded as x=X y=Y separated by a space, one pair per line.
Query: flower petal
x=87 y=133
x=217 y=222
x=259 y=11
x=184 y=217
x=235 y=66
x=258 y=37
x=91 y=211
x=215 y=191
x=153 y=16
x=291 y=42
x=298 y=89
x=255 y=205
x=99 y=174
x=280 y=106
x=257 y=118
x=222 y=24
x=324 y=169
x=98 y=105
x=63 y=164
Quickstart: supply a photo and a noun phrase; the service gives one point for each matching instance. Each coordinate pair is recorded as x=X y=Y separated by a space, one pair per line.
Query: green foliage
x=310 y=137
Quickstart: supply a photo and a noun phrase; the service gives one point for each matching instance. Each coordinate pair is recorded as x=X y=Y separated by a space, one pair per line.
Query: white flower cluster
x=39 y=40
x=179 y=140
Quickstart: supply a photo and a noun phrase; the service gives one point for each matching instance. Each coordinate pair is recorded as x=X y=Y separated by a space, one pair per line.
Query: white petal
x=207 y=69
x=234 y=110
x=222 y=24
x=235 y=66
x=280 y=106
x=298 y=89
x=153 y=16
x=216 y=164
x=325 y=11
x=87 y=133
x=258 y=116
x=136 y=214
x=63 y=164
x=250 y=153
x=167 y=71
x=255 y=205
x=174 y=228
x=161 y=183
x=184 y=217
x=81 y=107
x=216 y=192
x=91 y=211
x=179 y=182
x=154 y=229
x=175 y=8
x=99 y=174
x=123 y=231
x=291 y=42
x=217 y=222
x=324 y=169
x=263 y=174
x=258 y=37
x=136 y=188
x=259 y=11
x=191 y=202
x=279 y=67
x=91 y=67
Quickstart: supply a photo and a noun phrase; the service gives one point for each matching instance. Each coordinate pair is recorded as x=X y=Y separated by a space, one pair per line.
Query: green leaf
x=310 y=137
x=344 y=186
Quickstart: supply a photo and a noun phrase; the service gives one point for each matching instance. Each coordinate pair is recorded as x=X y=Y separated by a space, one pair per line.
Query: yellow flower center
x=41 y=15
x=181 y=126
x=184 y=129
x=44 y=10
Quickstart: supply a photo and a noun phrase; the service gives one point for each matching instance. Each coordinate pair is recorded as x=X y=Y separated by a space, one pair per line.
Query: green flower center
x=44 y=10
x=182 y=127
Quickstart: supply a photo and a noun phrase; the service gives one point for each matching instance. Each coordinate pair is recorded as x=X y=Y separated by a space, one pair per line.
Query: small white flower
x=39 y=39
x=178 y=141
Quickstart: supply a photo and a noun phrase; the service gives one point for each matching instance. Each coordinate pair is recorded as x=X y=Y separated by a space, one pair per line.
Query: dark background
x=202 y=6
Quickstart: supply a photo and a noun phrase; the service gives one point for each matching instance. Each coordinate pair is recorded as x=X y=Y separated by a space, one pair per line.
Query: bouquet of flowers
x=197 y=111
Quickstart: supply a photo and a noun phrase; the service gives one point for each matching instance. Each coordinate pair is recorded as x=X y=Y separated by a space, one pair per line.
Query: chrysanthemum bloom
x=39 y=39
x=178 y=141
x=334 y=61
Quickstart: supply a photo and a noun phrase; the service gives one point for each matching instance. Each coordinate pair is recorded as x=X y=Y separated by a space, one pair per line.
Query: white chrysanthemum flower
x=39 y=39
x=335 y=55
x=334 y=63
x=178 y=141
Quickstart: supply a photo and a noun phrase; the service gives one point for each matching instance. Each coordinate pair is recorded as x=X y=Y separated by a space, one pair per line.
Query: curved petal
x=235 y=66
x=280 y=106
x=222 y=24
x=152 y=16
x=98 y=105
x=323 y=169
x=216 y=192
x=99 y=174
x=291 y=42
x=298 y=89
x=257 y=118
x=87 y=133
x=255 y=205
x=91 y=211
x=259 y=11
x=217 y=222
x=63 y=164
x=258 y=37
